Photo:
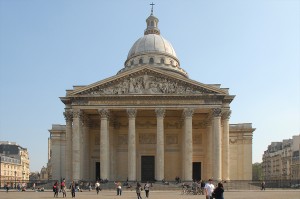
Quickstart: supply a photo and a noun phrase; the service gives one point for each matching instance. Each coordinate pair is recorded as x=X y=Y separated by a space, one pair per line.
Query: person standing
x=73 y=189
x=63 y=188
x=218 y=192
x=147 y=189
x=119 y=188
x=138 y=190
x=263 y=185
x=55 y=189
x=209 y=188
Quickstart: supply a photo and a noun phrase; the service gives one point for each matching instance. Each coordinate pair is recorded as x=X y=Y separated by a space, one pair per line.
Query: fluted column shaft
x=85 y=149
x=68 y=148
x=225 y=146
x=104 y=144
x=131 y=145
x=76 y=171
x=188 y=139
x=209 y=155
x=160 y=148
x=217 y=166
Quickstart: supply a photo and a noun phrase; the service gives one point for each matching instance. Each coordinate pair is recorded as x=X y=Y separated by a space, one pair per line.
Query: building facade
x=281 y=160
x=14 y=163
x=150 y=122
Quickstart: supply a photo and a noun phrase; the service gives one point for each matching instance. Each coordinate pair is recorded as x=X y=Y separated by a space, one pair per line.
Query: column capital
x=131 y=113
x=104 y=113
x=77 y=113
x=226 y=114
x=188 y=112
x=216 y=112
x=68 y=114
x=84 y=119
x=160 y=112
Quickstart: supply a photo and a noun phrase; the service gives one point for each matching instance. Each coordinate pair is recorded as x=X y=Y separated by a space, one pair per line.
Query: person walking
x=209 y=188
x=55 y=189
x=97 y=187
x=138 y=190
x=147 y=189
x=218 y=192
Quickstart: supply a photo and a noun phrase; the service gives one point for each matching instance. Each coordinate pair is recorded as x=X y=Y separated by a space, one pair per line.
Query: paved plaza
x=109 y=194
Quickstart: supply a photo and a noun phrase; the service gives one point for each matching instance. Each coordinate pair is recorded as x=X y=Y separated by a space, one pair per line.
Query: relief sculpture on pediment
x=146 y=84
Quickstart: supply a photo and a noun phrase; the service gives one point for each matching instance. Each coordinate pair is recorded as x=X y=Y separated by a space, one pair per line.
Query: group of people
x=213 y=192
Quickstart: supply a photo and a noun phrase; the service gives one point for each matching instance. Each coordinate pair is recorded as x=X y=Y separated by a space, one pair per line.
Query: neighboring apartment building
x=14 y=163
x=281 y=160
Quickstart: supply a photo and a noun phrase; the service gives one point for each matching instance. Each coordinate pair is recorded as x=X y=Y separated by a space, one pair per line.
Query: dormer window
x=151 y=60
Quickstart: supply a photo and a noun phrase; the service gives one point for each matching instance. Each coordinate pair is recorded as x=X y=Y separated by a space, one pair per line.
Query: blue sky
x=251 y=47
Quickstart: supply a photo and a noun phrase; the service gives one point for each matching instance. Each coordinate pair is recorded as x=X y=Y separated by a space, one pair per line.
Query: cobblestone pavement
x=109 y=194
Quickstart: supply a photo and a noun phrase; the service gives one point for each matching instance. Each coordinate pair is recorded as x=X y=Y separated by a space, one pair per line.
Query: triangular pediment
x=146 y=81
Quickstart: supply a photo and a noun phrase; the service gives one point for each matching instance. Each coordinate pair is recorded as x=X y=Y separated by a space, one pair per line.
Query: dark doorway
x=148 y=168
x=97 y=171
x=196 y=171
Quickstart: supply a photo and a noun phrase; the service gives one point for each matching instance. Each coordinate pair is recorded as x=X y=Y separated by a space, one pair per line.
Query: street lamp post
x=15 y=179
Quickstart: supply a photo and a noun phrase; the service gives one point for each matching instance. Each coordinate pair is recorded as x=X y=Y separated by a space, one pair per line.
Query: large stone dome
x=151 y=43
x=153 y=50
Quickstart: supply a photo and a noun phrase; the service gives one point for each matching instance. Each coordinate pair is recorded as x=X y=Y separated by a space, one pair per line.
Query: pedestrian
x=209 y=188
x=73 y=189
x=97 y=187
x=218 y=192
x=63 y=188
x=55 y=189
x=138 y=190
x=147 y=189
x=33 y=187
x=119 y=188
x=263 y=185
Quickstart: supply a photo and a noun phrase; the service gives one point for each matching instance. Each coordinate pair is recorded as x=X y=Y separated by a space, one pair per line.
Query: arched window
x=162 y=61
x=140 y=61
x=151 y=60
x=152 y=23
x=171 y=62
x=131 y=63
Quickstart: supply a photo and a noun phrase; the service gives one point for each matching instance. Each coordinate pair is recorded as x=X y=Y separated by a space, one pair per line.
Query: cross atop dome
x=152 y=4
x=152 y=22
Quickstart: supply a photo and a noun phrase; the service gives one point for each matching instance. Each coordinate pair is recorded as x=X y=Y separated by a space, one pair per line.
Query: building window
x=131 y=63
x=140 y=61
x=162 y=61
x=171 y=62
x=151 y=61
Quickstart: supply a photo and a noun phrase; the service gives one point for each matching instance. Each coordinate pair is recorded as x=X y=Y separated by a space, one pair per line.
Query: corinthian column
x=76 y=145
x=68 y=148
x=188 y=144
x=131 y=145
x=225 y=145
x=104 y=144
x=85 y=147
x=209 y=154
x=217 y=166
x=160 y=152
